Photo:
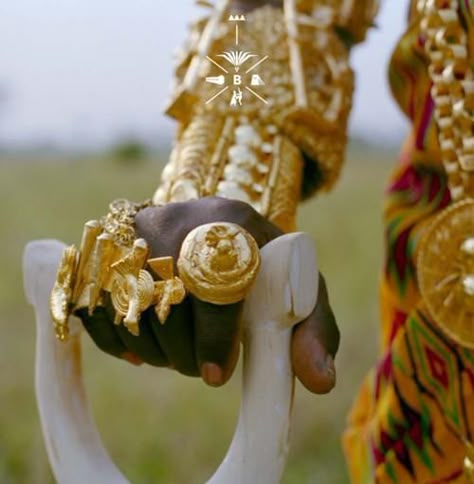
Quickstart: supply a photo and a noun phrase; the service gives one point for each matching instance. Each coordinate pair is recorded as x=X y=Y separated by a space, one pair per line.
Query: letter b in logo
x=237 y=80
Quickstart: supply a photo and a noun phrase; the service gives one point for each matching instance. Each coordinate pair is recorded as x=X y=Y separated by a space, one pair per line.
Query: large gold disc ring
x=446 y=271
x=218 y=262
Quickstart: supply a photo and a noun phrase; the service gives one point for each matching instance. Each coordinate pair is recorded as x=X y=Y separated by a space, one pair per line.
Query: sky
x=87 y=72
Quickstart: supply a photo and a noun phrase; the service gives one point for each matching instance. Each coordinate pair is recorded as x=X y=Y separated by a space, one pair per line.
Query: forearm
x=286 y=136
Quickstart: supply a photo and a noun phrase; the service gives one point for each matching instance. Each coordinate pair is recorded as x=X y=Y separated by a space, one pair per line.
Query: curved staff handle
x=283 y=294
x=75 y=450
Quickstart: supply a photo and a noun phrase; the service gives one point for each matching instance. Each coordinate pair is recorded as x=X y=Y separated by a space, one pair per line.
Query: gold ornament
x=132 y=288
x=120 y=221
x=354 y=16
x=446 y=271
x=91 y=231
x=111 y=260
x=249 y=162
x=218 y=262
x=284 y=181
x=450 y=70
x=250 y=153
x=169 y=291
x=445 y=263
x=243 y=161
x=99 y=266
x=192 y=159
x=61 y=295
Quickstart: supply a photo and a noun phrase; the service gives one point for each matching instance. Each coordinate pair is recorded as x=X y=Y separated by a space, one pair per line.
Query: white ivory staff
x=283 y=294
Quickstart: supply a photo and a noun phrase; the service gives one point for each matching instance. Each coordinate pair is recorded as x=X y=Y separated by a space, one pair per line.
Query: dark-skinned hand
x=202 y=339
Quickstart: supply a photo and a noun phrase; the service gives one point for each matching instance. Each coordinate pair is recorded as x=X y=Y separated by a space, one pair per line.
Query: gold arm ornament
x=218 y=263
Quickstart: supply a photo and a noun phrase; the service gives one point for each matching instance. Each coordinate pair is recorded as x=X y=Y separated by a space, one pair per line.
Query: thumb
x=314 y=345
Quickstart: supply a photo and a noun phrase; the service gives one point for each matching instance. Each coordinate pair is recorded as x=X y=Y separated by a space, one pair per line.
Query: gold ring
x=218 y=262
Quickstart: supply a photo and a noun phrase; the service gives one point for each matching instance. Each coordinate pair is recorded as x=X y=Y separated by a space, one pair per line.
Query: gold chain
x=446 y=45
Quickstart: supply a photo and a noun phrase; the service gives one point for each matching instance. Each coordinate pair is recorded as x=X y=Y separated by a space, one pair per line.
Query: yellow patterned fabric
x=416 y=406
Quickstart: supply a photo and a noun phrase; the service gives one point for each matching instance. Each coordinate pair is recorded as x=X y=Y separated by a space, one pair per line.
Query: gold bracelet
x=253 y=92
x=238 y=160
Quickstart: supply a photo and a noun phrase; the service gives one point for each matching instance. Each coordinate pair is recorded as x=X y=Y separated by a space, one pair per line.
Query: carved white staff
x=283 y=294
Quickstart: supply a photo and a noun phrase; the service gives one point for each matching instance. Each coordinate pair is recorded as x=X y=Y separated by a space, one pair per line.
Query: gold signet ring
x=218 y=262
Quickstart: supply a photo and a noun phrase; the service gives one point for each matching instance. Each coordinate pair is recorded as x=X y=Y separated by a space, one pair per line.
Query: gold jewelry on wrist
x=253 y=152
x=304 y=94
x=445 y=265
x=241 y=161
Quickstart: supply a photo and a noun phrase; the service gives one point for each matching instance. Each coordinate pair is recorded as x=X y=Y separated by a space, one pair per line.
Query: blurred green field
x=159 y=426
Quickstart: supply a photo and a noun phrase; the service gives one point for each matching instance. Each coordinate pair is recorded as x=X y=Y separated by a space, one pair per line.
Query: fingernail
x=132 y=358
x=211 y=374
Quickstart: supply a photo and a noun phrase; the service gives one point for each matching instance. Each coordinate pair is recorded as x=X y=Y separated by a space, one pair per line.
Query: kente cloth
x=416 y=405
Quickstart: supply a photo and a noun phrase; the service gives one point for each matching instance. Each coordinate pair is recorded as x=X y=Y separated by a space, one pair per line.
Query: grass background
x=160 y=426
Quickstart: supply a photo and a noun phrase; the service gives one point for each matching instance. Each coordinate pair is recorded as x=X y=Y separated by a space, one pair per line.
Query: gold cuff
x=294 y=88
